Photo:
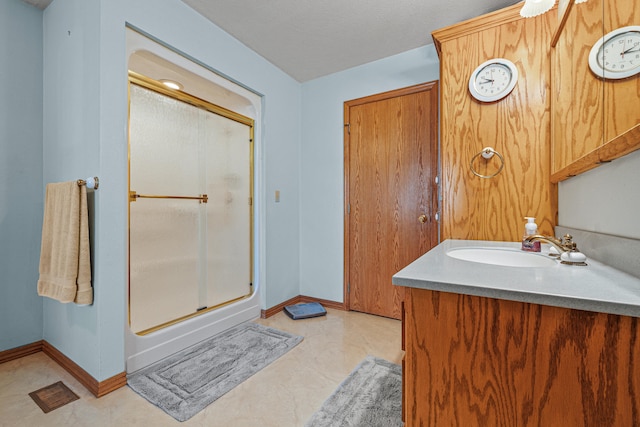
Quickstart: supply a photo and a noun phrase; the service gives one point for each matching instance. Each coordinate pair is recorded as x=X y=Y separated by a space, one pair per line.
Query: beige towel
x=65 y=264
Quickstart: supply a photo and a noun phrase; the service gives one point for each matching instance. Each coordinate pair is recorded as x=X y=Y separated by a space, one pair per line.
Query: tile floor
x=285 y=393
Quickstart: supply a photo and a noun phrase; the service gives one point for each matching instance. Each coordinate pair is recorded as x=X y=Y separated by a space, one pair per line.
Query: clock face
x=617 y=55
x=493 y=80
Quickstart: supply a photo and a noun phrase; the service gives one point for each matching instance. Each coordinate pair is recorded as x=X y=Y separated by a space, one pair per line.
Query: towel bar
x=487 y=153
x=91 y=182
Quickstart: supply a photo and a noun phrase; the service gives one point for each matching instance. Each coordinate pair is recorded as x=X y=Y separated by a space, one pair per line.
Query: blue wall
x=322 y=159
x=85 y=134
x=71 y=147
x=21 y=189
x=74 y=125
x=85 y=122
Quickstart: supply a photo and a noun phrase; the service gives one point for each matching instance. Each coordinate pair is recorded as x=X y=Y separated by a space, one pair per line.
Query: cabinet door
x=477 y=361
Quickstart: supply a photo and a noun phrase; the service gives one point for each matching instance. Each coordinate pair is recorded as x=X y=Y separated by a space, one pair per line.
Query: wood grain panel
x=373 y=222
x=588 y=111
x=517 y=127
x=563 y=14
x=578 y=96
x=495 y=19
x=621 y=98
x=561 y=97
x=619 y=146
x=391 y=162
x=487 y=362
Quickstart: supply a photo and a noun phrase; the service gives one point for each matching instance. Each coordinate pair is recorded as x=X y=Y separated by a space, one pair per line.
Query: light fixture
x=171 y=84
x=533 y=8
x=581 y=1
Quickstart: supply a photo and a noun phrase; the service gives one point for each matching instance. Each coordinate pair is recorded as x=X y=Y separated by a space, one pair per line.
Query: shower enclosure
x=190 y=210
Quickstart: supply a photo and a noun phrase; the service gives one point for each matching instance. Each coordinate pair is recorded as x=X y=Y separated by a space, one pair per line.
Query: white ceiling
x=313 y=38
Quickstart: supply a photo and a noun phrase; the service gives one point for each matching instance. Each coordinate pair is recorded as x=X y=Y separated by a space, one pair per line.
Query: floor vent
x=53 y=396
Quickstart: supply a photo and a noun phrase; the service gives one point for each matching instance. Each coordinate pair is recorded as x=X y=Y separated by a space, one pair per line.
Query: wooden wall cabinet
x=517 y=126
x=476 y=361
x=594 y=120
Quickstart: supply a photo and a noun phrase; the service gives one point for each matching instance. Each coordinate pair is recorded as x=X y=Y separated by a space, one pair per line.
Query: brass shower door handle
x=423 y=218
x=133 y=196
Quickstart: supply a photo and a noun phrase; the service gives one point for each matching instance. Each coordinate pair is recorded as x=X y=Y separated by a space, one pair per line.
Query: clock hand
x=624 y=44
x=630 y=50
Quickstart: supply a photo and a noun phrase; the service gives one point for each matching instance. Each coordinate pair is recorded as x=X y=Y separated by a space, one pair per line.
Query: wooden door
x=390 y=192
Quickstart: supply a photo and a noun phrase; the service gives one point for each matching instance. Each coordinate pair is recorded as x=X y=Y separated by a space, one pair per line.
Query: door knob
x=422 y=218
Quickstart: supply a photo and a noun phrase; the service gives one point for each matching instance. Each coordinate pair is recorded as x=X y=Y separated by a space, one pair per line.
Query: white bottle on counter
x=530 y=228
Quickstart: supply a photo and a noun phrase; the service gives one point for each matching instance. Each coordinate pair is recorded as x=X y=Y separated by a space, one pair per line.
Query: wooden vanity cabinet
x=477 y=361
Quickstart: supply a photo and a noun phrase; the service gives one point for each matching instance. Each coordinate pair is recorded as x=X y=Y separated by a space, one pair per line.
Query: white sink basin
x=502 y=256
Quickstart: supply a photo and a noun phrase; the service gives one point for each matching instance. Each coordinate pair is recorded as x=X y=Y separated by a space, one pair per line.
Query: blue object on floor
x=305 y=310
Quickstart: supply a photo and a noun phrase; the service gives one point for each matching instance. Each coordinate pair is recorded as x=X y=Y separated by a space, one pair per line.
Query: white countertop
x=595 y=287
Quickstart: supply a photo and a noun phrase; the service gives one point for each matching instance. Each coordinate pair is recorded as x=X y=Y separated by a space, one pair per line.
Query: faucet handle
x=567 y=242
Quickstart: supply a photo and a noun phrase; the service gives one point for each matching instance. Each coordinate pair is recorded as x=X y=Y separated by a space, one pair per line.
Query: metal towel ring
x=487 y=153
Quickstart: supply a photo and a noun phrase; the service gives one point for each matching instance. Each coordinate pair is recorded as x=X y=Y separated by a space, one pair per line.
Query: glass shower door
x=189 y=211
x=229 y=210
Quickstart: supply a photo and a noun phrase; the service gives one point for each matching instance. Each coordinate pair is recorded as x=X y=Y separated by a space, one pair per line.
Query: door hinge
x=348 y=208
x=348 y=126
x=348 y=288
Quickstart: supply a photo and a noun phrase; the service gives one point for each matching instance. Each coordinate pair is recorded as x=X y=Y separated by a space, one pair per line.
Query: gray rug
x=371 y=396
x=185 y=383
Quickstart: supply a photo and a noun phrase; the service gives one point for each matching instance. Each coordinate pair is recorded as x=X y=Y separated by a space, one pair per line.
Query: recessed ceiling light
x=171 y=84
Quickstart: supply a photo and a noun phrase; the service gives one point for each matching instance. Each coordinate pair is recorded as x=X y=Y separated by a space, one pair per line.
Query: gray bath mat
x=185 y=383
x=371 y=396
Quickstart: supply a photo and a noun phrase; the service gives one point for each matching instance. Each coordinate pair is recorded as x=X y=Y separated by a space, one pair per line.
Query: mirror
x=594 y=119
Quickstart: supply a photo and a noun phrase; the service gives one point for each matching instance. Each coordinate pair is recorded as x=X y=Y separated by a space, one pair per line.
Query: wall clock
x=493 y=80
x=617 y=54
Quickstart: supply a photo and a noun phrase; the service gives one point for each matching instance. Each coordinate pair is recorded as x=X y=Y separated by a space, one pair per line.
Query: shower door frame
x=157 y=86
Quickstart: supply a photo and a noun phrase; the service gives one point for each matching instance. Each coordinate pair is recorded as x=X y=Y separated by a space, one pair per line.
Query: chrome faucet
x=567 y=248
